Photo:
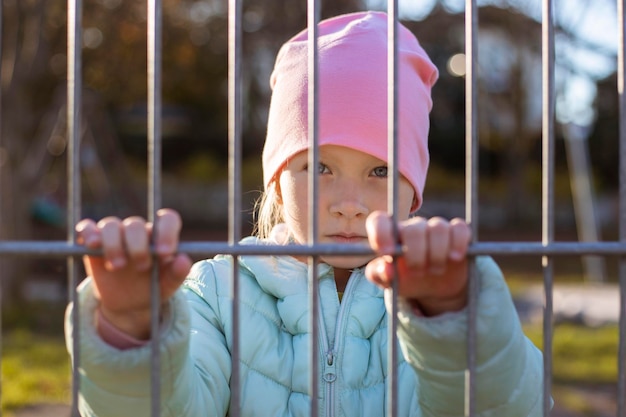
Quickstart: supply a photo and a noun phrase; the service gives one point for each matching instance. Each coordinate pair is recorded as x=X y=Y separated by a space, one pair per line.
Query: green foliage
x=35 y=369
x=42 y=318
x=581 y=354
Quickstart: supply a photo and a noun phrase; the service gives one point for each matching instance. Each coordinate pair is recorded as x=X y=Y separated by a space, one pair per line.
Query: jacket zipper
x=329 y=377
x=329 y=361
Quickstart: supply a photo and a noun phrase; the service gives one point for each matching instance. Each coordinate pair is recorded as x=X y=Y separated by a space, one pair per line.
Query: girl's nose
x=349 y=203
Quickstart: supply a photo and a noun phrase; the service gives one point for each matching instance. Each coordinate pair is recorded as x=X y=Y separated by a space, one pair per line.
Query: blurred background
x=113 y=155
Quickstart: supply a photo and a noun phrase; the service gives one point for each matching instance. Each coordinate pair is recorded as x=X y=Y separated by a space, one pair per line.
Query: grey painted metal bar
x=621 y=80
x=392 y=198
x=74 y=86
x=154 y=189
x=548 y=193
x=234 y=185
x=58 y=249
x=313 y=18
x=471 y=192
x=1 y=217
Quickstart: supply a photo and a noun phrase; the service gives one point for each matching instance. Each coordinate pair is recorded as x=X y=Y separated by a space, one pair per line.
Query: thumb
x=174 y=274
x=380 y=271
x=380 y=232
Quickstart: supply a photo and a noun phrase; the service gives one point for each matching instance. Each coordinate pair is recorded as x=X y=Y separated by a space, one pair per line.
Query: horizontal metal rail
x=61 y=249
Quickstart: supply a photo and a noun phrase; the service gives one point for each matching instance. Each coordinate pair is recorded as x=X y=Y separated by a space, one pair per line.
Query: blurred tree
x=509 y=113
x=605 y=135
x=509 y=93
x=194 y=62
x=27 y=88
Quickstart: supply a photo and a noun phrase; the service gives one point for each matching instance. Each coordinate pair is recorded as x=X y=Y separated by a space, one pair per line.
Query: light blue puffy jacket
x=274 y=362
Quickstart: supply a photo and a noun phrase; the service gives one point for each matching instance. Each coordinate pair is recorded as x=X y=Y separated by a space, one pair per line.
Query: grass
x=581 y=354
x=35 y=369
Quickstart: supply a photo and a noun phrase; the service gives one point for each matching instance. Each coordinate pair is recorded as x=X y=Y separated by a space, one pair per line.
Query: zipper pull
x=329 y=368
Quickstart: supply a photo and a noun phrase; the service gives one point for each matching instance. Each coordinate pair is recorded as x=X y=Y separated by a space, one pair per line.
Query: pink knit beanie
x=353 y=96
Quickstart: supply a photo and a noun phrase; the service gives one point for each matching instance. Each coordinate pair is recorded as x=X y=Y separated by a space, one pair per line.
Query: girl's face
x=352 y=184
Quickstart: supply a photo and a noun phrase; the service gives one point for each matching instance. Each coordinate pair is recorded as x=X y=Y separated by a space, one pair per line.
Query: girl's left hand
x=432 y=271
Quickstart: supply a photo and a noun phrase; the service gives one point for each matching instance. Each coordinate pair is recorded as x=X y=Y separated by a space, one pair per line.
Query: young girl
x=275 y=334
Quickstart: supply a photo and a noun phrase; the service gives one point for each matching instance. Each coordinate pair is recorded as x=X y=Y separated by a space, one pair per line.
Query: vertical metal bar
x=471 y=191
x=313 y=17
x=392 y=196
x=621 y=74
x=548 y=193
x=154 y=187
x=1 y=286
x=74 y=86
x=234 y=184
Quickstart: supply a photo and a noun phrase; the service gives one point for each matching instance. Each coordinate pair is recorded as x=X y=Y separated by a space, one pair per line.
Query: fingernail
x=167 y=259
x=118 y=263
x=91 y=241
x=380 y=269
x=164 y=248
x=456 y=255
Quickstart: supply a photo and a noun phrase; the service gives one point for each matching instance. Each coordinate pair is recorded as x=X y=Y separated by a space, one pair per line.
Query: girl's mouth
x=347 y=238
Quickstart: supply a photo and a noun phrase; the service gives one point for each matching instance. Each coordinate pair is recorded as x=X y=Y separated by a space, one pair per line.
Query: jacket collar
x=280 y=275
x=286 y=278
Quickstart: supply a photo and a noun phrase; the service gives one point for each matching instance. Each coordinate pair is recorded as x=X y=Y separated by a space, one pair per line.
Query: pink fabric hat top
x=352 y=95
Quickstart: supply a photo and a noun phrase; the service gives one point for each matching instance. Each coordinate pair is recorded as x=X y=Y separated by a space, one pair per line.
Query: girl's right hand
x=122 y=276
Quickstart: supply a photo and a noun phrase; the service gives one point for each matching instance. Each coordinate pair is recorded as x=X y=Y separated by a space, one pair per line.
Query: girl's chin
x=341 y=262
x=347 y=262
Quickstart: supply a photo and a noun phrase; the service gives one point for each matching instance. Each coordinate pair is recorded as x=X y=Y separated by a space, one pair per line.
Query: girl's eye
x=322 y=168
x=380 y=172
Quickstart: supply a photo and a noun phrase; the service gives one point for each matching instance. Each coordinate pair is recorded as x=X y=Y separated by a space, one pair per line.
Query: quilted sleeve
x=116 y=383
x=509 y=367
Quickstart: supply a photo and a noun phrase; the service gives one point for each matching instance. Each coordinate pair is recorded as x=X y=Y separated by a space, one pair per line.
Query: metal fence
x=548 y=248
